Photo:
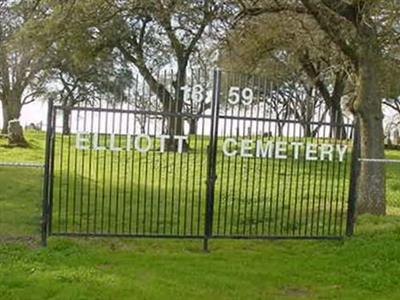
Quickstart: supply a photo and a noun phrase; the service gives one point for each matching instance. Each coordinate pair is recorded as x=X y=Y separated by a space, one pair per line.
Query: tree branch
x=342 y=8
x=330 y=22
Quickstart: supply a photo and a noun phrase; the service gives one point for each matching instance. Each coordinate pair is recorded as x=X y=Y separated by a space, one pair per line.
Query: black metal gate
x=237 y=156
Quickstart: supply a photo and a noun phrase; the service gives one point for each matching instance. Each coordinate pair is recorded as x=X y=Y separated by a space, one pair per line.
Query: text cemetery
x=258 y=148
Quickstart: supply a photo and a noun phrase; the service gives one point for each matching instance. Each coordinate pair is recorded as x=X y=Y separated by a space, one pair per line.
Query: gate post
x=355 y=173
x=46 y=194
x=212 y=157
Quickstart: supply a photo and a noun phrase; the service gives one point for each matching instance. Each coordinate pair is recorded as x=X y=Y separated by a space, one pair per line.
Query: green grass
x=166 y=193
x=366 y=266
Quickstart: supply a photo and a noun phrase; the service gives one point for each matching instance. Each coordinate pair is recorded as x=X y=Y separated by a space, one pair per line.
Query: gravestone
x=396 y=137
x=16 y=134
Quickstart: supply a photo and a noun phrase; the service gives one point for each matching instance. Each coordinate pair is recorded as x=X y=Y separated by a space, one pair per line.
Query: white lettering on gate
x=162 y=142
x=225 y=147
x=311 y=152
x=180 y=139
x=281 y=150
x=296 y=149
x=326 y=150
x=246 y=148
x=341 y=149
x=113 y=146
x=138 y=143
x=81 y=139
x=96 y=143
x=264 y=152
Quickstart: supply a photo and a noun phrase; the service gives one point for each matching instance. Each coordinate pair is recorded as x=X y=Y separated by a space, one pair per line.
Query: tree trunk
x=308 y=133
x=11 y=111
x=280 y=128
x=4 y=129
x=175 y=107
x=368 y=105
x=66 y=127
x=175 y=126
x=338 y=130
x=193 y=126
x=172 y=105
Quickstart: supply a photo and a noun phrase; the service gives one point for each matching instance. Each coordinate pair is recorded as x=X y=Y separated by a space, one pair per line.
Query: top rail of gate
x=240 y=97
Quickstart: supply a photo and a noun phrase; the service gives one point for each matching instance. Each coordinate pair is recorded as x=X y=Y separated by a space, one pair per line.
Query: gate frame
x=47 y=189
x=47 y=193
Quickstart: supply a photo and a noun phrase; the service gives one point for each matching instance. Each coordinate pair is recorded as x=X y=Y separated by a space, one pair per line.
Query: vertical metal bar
x=111 y=175
x=96 y=196
x=168 y=102
x=296 y=185
x=324 y=174
x=160 y=168
x=68 y=178
x=233 y=81
x=153 y=165
x=223 y=199
x=105 y=164
x=344 y=180
x=355 y=173
x=147 y=131
x=75 y=168
x=290 y=132
x=265 y=175
x=179 y=100
x=200 y=179
x=140 y=156
x=46 y=182
x=314 y=173
x=286 y=204
x=330 y=185
x=118 y=176
x=51 y=174
x=82 y=175
x=126 y=164
x=212 y=159
x=248 y=136
x=60 y=182
x=133 y=165
x=89 y=184
x=256 y=162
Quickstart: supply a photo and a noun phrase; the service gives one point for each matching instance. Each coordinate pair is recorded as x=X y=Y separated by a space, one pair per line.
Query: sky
x=31 y=113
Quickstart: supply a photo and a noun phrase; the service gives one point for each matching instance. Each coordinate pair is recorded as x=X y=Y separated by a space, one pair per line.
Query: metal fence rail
x=21 y=165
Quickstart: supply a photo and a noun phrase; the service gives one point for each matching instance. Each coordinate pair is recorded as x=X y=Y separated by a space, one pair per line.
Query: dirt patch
x=296 y=292
x=29 y=241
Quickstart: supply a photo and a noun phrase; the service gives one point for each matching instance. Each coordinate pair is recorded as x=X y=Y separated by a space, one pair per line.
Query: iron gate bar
x=51 y=166
x=355 y=173
x=46 y=180
x=212 y=150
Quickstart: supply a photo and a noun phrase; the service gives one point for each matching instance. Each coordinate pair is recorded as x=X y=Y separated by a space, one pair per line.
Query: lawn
x=366 y=266
x=128 y=192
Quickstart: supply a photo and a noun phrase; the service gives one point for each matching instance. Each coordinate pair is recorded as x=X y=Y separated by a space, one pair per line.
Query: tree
x=279 y=47
x=152 y=35
x=106 y=78
x=80 y=67
x=393 y=103
x=20 y=68
x=364 y=32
